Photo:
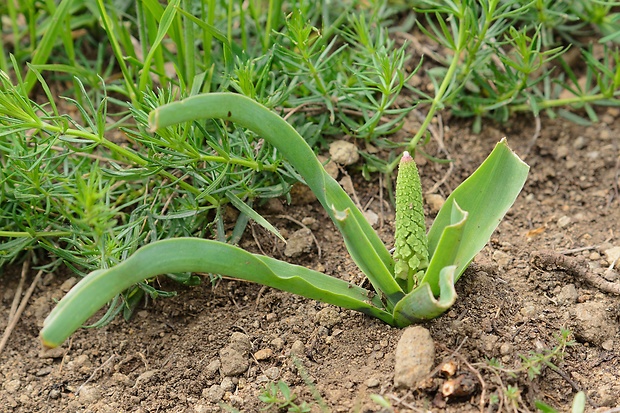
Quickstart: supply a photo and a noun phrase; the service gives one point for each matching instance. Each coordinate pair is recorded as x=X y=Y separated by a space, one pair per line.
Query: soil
x=172 y=355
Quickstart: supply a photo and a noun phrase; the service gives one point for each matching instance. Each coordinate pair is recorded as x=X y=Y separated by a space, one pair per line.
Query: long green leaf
x=199 y=255
x=363 y=243
x=486 y=196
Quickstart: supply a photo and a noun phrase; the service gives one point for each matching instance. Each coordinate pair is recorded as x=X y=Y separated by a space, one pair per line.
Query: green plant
x=532 y=365
x=578 y=406
x=461 y=229
x=279 y=395
x=505 y=57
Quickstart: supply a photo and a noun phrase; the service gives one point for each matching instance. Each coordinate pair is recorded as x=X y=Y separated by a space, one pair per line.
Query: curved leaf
x=363 y=243
x=486 y=196
x=421 y=305
x=199 y=255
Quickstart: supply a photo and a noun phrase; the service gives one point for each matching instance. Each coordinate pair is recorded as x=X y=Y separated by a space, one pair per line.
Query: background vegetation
x=84 y=183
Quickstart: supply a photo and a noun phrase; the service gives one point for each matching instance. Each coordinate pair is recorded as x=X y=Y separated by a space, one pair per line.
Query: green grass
x=84 y=180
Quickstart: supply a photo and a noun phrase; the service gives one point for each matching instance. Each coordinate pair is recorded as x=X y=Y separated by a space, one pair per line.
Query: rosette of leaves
x=414 y=284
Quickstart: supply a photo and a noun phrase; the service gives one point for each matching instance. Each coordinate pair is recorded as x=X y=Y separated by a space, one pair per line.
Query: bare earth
x=170 y=358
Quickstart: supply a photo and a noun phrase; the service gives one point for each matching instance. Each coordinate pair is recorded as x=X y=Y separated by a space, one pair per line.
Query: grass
x=84 y=181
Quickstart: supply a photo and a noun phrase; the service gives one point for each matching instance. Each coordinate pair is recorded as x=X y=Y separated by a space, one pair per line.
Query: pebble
x=213 y=394
x=68 y=284
x=12 y=386
x=372 y=217
x=233 y=362
x=145 y=377
x=263 y=354
x=435 y=202
x=298 y=348
x=563 y=221
x=502 y=259
x=568 y=294
x=227 y=384
x=121 y=378
x=414 y=357
x=608 y=345
x=592 y=323
x=505 y=349
x=89 y=394
x=330 y=167
x=300 y=242
x=240 y=342
x=278 y=343
x=613 y=255
x=373 y=382
x=52 y=353
x=580 y=143
x=272 y=373
x=343 y=152
x=328 y=317
x=213 y=368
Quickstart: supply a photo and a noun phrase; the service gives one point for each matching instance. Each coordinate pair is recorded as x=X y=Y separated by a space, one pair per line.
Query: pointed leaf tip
x=406 y=157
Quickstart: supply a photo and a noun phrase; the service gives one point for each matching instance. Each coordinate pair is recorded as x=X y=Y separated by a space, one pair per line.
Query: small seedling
x=279 y=395
x=416 y=284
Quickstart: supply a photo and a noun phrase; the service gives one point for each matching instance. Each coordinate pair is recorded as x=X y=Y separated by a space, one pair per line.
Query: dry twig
x=22 y=306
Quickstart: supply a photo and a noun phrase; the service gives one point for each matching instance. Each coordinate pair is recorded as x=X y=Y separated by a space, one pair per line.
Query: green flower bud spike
x=411 y=243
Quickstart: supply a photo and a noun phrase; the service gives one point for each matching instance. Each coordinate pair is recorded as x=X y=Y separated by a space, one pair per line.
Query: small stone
x=372 y=217
x=343 y=152
x=505 y=349
x=528 y=311
x=240 y=342
x=608 y=345
x=563 y=221
x=568 y=294
x=613 y=256
x=68 y=284
x=298 y=348
x=592 y=323
x=52 y=353
x=562 y=151
x=263 y=354
x=79 y=363
x=414 y=357
x=54 y=394
x=328 y=317
x=373 y=382
x=502 y=259
x=121 y=379
x=330 y=167
x=89 y=394
x=12 y=386
x=300 y=242
x=233 y=362
x=435 y=202
x=580 y=143
x=213 y=394
x=272 y=373
x=227 y=384
x=278 y=343
x=145 y=377
x=594 y=256
x=213 y=367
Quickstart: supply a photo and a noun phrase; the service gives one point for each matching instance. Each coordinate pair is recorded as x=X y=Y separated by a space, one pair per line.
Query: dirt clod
x=592 y=322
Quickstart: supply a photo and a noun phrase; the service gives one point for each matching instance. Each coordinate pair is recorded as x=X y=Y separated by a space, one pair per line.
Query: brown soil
x=166 y=358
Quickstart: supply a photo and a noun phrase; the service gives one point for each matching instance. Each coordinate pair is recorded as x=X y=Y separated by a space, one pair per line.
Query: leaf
x=486 y=196
x=202 y=256
x=421 y=305
x=363 y=243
